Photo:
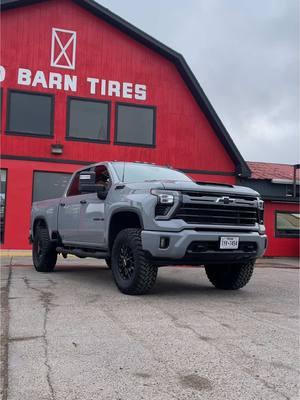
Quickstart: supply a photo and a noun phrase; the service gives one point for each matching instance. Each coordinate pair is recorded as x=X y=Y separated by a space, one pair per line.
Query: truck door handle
x=62 y=204
x=82 y=201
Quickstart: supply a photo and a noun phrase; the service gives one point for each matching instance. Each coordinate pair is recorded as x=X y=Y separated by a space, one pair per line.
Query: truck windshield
x=137 y=172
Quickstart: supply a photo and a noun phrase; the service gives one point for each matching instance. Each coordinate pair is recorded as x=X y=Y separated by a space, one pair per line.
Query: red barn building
x=79 y=85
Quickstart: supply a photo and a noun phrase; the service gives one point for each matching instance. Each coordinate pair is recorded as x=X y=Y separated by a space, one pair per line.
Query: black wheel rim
x=125 y=262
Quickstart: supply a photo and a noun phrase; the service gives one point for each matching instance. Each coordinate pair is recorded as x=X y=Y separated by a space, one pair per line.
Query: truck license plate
x=229 y=243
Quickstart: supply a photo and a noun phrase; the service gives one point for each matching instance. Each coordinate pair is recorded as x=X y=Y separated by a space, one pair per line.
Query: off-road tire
x=44 y=254
x=230 y=276
x=142 y=273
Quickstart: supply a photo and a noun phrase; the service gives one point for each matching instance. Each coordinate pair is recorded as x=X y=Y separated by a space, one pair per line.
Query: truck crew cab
x=141 y=216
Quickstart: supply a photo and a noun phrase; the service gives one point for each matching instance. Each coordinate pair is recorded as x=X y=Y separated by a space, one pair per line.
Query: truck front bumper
x=195 y=248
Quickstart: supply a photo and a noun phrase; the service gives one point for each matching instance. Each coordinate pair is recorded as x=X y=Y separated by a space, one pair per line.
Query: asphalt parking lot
x=71 y=335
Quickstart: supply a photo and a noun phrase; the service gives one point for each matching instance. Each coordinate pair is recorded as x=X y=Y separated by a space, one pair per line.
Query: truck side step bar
x=81 y=253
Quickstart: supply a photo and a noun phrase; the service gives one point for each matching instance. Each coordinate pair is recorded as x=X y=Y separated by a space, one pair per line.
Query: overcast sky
x=245 y=54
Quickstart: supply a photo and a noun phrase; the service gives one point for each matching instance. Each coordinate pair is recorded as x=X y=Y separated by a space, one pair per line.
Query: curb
x=15 y=253
x=21 y=253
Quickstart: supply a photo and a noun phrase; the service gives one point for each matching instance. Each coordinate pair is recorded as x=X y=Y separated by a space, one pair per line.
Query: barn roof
x=262 y=170
x=175 y=57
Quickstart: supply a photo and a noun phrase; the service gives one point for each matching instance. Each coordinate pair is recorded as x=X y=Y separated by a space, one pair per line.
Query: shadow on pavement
x=168 y=284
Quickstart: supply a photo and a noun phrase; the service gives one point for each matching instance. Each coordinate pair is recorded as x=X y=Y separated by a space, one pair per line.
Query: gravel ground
x=71 y=335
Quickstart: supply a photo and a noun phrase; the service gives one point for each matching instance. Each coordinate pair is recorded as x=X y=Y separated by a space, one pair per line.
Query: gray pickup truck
x=140 y=216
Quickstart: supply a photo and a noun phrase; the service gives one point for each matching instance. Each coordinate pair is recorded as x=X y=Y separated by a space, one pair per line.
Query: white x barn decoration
x=63 y=48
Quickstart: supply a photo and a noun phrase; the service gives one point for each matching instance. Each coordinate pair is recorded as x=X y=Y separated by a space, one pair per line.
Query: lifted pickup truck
x=141 y=216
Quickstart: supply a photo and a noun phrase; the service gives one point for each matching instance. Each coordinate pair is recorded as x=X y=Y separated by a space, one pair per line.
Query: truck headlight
x=260 y=206
x=166 y=197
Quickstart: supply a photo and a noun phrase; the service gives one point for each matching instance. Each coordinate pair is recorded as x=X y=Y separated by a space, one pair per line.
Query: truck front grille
x=206 y=209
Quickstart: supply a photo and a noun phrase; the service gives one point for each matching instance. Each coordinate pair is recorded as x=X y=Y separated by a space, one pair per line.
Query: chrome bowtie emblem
x=225 y=200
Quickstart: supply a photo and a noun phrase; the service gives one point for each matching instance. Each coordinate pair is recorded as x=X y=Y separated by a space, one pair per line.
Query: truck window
x=74 y=187
x=102 y=176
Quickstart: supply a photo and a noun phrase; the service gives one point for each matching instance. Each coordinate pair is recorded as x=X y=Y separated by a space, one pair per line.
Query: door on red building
x=2 y=203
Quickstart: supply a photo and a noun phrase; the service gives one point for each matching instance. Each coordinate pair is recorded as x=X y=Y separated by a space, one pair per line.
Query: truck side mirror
x=87 y=182
x=101 y=192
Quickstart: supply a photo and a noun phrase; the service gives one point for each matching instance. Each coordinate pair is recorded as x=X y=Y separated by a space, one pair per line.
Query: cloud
x=245 y=55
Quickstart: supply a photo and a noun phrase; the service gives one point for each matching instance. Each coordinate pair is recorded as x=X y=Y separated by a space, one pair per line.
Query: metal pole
x=294 y=182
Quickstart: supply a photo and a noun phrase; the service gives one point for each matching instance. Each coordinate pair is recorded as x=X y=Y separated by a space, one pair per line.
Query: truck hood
x=213 y=188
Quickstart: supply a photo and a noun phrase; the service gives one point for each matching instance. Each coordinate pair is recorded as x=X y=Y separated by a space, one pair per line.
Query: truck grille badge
x=225 y=200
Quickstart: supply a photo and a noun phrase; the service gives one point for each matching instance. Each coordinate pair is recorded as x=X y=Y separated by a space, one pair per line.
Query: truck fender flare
x=38 y=219
x=120 y=211
x=126 y=209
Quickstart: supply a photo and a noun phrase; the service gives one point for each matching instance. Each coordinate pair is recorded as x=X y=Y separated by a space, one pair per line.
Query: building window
x=49 y=185
x=3 y=203
x=30 y=113
x=287 y=223
x=88 y=120
x=135 y=125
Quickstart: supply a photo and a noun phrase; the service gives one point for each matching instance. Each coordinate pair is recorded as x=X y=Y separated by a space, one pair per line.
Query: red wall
x=279 y=247
x=183 y=135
